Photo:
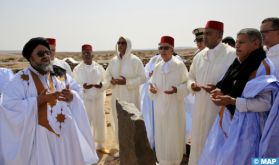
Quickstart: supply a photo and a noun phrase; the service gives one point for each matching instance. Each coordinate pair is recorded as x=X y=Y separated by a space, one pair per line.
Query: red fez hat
x=86 y=47
x=51 y=41
x=167 y=40
x=215 y=25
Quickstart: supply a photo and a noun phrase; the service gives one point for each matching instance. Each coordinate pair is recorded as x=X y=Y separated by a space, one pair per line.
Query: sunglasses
x=121 y=43
x=164 y=48
x=42 y=53
x=86 y=53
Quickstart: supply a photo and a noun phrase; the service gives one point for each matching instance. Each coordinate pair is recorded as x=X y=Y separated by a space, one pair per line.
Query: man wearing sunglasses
x=125 y=73
x=147 y=108
x=42 y=120
x=270 y=33
x=90 y=75
x=206 y=70
x=168 y=89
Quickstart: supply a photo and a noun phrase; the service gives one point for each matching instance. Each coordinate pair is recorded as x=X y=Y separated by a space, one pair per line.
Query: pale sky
x=101 y=22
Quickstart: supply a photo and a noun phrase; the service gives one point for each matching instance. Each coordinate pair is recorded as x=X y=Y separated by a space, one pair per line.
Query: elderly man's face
x=270 y=35
x=166 y=52
x=122 y=46
x=211 y=38
x=87 y=57
x=244 y=46
x=40 y=59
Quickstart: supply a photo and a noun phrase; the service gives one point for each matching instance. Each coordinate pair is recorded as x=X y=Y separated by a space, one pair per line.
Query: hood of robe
x=128 y=48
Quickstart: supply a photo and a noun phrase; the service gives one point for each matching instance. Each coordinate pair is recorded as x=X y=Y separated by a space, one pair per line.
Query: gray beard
x=43 y=67
x=47 y=68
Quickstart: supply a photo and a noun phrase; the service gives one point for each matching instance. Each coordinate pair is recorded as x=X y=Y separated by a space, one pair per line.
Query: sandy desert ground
x=16 y=62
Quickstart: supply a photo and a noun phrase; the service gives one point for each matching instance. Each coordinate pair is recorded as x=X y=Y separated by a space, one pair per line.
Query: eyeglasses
x=43 y=52
x=267 y=31
x=121 y=43
x=164 y=48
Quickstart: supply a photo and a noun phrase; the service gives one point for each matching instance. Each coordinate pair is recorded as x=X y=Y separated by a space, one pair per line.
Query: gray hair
x=274 y=20
x=253 y=34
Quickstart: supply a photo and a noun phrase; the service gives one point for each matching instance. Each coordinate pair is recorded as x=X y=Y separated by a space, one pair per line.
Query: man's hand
x=152 y=89
x=174 y=90
x=208 y=87
x=98 y=85
x=66 y=95
x=120 y=81
x=195 y=87
x=216 y=92
x=223 y=100
x=47 y=98
x=87 y=86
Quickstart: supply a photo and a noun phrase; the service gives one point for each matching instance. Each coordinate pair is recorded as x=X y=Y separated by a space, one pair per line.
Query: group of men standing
x=223 y=128
x=43 y=117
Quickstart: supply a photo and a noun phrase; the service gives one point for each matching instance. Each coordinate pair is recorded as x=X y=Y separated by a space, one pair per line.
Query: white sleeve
x=74 y=85
x=192 y=74
x=107 y=76
x=261 y=103
x=182 y=90
x=18 y=121
x=139 y=79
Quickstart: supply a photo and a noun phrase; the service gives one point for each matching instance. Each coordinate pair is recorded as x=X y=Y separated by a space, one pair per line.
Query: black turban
x=32 y=44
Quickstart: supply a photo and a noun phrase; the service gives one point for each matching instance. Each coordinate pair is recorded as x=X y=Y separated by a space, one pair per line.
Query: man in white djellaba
x=207 y=68
x=90 y=75
x=168 y=88
x=125 y=73
x=146 y=104
x=43 y=122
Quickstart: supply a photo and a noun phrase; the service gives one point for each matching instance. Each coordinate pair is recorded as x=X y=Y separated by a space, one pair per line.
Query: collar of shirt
x=211 y=52
x=273 y=50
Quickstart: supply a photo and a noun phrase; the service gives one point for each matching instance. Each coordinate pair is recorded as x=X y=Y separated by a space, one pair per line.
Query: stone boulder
x=134 y=148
